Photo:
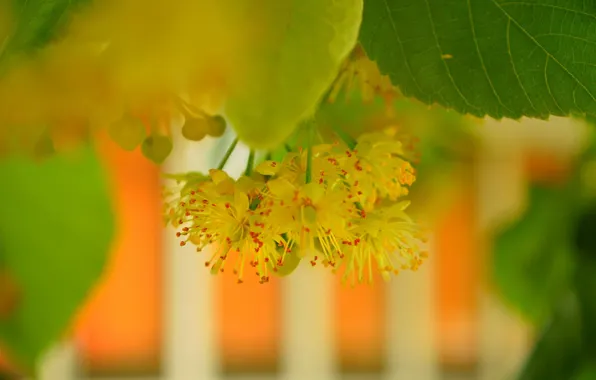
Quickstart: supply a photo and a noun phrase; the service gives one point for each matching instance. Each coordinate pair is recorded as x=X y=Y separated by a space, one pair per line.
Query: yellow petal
x=268 y=168
x=218 y=176
x=225 y=186
x=281 y=188
x=402 y=205
x=313 y=191
x=240 y=203
x=246 y=184
x=322 y=148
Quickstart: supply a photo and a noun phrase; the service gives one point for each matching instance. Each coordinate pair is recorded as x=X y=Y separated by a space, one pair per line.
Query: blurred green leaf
x=35 y=23
x=533 y=258
x=350 y=113
x=557 y=354
x=585 y=276
x=587 y=372
x=56 y=227
x=305 y=43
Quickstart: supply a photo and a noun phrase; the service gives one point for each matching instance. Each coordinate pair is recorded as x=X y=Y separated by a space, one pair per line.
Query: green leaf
x=35 y=23
x=557 y=354
x=587 y=372
x=305 y=43
x=56 y=227
x=499 y=58
x=585 y=275
x=533 y=259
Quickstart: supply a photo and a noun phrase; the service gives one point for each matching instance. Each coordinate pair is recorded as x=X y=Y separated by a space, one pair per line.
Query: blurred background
x=158 y=314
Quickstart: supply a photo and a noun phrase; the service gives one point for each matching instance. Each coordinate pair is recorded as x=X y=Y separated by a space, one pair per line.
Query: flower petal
x=281 y=188
x=267 y=168
x=241 y=204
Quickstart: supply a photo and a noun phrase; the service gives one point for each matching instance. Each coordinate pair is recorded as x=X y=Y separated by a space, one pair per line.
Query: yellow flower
x=329 y=203
x=369 y=80
x=293 y=167
x=176 y=197
x=218 y=213
x=377 y=168
x=386 y=239
x=313 y=216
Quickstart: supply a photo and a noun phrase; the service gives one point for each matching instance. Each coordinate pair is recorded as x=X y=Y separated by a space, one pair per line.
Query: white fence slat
x=60 y=362
x=412 y=342
x=190 y=350
x=308 y=337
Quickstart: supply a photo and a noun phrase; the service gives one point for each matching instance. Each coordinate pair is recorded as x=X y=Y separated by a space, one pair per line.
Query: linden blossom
x=338 y=204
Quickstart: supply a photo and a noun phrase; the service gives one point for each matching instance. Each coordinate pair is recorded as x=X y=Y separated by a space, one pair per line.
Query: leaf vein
x=401 y=46
x=432 y=24
x=558 y=7
x=515 y=69
x=549 y=55
x=485 y=71
x=548 y=85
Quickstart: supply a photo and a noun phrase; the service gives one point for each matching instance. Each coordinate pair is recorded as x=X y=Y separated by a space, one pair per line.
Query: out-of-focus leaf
x=33 y=23
x=557 y=354
x=56 y=227
x=354 y=116
x=585 y=276
x=587 y=372
x=533 y=258
x=304 y=44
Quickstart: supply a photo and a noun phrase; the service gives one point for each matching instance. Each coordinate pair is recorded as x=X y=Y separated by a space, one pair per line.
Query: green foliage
x=35 y=23
x=585 y=276
x=533 y=258
x=587 y=372
x=496 y=57
x=56 y=227
x=557 y=354
x=545 y=266
x=306 y=42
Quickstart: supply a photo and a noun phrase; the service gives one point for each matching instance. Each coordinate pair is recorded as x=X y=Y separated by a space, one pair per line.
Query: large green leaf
x=35 y=22
x=56 y=226
x=304 y=44
x=500 y=58
x=533 y=259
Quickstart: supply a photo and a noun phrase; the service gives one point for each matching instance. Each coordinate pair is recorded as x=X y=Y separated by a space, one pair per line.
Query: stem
x=225 y=158
x=347 y=139
x=250 y=163
x=308 y=175
x=357 y=204
x=402 y=157
x=188 y=109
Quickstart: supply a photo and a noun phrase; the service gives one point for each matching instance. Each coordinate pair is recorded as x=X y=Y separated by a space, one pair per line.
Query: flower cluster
x=335 y=205
x=361 y=74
